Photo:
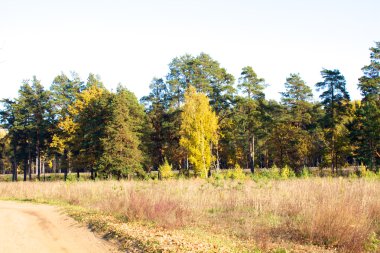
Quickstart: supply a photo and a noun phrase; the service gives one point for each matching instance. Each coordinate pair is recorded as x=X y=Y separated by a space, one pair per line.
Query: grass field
x=294 y=215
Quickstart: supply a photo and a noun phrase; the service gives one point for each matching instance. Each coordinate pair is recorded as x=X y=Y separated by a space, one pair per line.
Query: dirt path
x=26 y=227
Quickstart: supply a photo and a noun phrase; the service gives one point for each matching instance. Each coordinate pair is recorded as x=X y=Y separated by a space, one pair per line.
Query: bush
x=218 y=175
x=373 y=243
x=305 y=173
x=237 y=173
x=165 y=170
x=273 y=172
x=371 y=175
x=72 y=177
x=362 y=170
x=287 y=172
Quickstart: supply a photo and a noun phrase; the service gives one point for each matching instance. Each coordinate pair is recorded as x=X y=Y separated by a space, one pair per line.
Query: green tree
x=248 y=116
x=297 y=98
x=198 y=131
x=84 y=128
x=29 y=120
x=41 y=108
x=64 y=91
x=25 y=129
x=208 y=77
x=121 y=154
x=251 y=85
x=8 y=120
x=202 y=72
x=367 y=121
x=158 y=132
x=293 y=133
x=4 y=151
x=335 y=100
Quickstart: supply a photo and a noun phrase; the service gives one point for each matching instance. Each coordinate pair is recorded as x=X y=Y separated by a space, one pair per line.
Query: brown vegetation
x=332 y=213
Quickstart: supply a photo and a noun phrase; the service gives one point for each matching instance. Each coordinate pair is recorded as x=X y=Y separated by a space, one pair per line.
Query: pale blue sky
x=130 y=42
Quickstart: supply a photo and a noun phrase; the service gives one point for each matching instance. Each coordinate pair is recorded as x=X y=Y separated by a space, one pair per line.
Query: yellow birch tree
x=198 y=131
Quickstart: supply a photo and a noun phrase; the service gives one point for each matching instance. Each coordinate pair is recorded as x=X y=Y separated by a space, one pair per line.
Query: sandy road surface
x=26 y=227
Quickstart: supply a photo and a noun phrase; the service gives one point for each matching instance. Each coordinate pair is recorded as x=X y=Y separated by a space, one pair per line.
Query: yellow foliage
x=84 y=99
x=3 y=133
x=57 y=143
x=237 y=173
x=68 y=124
x=198 y=130
x=166 y=170
x=285 y=172
x=362 y=170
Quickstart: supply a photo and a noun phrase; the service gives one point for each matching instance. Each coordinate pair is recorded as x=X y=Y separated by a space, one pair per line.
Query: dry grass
x=333 y=213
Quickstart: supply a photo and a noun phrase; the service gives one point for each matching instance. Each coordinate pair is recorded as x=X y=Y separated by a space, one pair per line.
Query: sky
x=131 y=42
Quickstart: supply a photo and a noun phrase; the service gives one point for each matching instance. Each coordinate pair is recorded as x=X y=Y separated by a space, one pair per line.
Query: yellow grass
x=332 y=213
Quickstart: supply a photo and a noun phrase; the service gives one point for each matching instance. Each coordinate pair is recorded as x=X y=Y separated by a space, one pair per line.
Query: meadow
x=221 y=215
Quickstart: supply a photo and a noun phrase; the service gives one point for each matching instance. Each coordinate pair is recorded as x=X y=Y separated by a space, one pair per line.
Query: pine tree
x=83 y=129
x=296 y=98
x=121 y=154
x=157 y=132
x=8 y=120
x=335 y=100
x=368 y=115
x=42 y=114
x=64 y=91
x=251 y=85
x=29 y=120
x=249 y=121
x=292 y=132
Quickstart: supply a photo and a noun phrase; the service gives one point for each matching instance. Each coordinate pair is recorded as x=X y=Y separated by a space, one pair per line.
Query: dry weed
x=334 y=213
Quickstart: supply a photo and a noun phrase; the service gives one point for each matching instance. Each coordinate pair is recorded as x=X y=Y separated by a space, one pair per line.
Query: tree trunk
x=14 y=165
x=217 y=159
x=92 y=173
x=43 y=169
x=332 y=156
x=66 y=164
x=30 y=165
x=29 y=162
x=25 y=169
x=333 y=151
x=38 y=163
x=59 y=164
x=14 y=171
x=252 y=155
x=55 y=163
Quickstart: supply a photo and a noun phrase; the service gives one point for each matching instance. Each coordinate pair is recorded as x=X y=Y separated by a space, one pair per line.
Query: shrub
x=305 y=173
x=362 y=171
x=166 y=170
x=218 y=175
x=72 y=177
x=287 y=172
x=371 y=175
x=373 y=243
x=274 y=172
x=237 y=172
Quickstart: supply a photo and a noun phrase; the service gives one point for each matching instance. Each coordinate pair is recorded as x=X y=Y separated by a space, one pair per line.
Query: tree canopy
x=196 y=117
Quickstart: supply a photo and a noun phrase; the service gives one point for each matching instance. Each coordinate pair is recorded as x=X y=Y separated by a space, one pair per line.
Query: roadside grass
x=218 y=215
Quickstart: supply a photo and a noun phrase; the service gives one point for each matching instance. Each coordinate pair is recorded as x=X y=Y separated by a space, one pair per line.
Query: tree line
x=197 y=118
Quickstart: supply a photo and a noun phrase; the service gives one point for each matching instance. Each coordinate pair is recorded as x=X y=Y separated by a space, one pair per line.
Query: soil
x=26 y=227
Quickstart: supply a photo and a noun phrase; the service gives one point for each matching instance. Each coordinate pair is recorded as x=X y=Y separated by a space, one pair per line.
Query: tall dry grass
x=336 y=213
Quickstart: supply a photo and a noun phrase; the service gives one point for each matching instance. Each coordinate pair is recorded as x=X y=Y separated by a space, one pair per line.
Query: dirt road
x=26 y=227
